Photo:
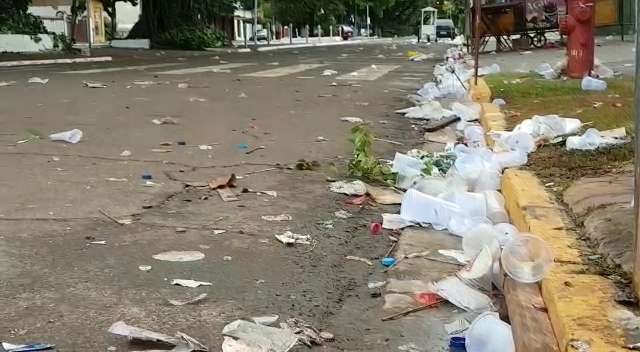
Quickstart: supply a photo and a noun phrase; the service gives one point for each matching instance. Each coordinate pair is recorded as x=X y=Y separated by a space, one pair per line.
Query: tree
x=15 y=18
x=160 y=16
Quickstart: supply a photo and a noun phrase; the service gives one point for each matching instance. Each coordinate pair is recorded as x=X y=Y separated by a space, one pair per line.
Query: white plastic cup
x=474 y=135
x=506 y=232
x=73 y=136
x=526 y=258
x=487 y=333
x=495 y=207
x=473 y=204
x=589 y=83
x=478 y=237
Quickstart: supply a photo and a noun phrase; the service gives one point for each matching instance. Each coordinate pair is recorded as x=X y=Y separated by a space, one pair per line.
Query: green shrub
x=192 y=38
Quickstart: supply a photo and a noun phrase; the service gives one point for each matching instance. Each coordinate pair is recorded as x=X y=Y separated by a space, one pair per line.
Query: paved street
x=58 y=287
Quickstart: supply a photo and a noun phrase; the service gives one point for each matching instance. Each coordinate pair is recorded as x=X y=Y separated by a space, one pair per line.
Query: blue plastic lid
x=388 y=261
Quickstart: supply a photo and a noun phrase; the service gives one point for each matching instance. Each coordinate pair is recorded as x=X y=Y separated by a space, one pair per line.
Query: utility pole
x=255 y=22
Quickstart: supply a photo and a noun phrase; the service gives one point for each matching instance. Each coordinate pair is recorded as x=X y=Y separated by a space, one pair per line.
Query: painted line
x=369 y=73
x=121 y=68
x=202 y=69
x=283 y=71
x=55 y=61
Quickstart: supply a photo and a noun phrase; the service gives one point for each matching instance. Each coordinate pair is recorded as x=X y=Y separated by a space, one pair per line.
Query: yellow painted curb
x=479 y=93
x=578 y=304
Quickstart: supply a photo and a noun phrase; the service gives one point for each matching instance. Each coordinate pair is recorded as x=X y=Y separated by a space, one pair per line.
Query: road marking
x=121 y=68
x=202 y=69
x=369 y=73
x=283 y=71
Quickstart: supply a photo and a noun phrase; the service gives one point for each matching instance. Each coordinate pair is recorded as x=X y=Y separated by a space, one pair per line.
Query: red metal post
x=578 y=25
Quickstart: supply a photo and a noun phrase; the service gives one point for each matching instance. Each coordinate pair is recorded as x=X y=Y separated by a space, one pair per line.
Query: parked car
x=347 y=32
x=261 y=34
x=445 y=29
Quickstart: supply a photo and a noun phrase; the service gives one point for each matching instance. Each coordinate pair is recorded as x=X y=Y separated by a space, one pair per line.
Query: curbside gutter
x=578 y=305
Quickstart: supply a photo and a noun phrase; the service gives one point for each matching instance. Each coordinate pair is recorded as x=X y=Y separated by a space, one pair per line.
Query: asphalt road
x=57 y=287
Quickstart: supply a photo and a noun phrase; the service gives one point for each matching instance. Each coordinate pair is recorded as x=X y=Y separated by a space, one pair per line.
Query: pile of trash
x=594 y=82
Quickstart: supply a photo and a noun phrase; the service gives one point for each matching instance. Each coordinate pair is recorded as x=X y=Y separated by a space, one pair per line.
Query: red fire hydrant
x=578 y=25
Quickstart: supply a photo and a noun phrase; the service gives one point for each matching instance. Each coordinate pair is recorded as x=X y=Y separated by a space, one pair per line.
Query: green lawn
x=528 y=95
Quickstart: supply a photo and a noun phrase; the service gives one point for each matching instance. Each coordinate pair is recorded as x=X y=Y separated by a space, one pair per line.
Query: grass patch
x=527 y=95
x=536 y=96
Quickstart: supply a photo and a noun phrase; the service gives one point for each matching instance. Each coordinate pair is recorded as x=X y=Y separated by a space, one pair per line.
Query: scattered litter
x=89 y=84
x=182 y=342
x=160 y=150
x=190 y=283
x=266 y=320
x=458 y=293
x=546 y=71
x=376 y=284
x=255 y=149
x=223 y=182
x=9 y=347
x=183 y=85
x=274 y=194
x=72 y=136
x=180 y=230
x=375 y=228
x=243 y=146
x=165 y=121
x=384 y=195
x=499 y=102
x=179 y=256
x=193 y=300
x=242 y=335
x=281 y=217
x=290 y=238
x=321 y=139
x=352 y=119
x=362 y=103
x=458 y=255
x=487 y=333
x=329 y=73
x=7 y=83
x=125 y=153
x=456 y=327
x=227 y=195
x=395 y=221
x=349 y=188
x=342 y=214
x=145 y=267
x=360 y=259
x=219 y=232
x=227 y=258
x=388 y=261
x=38 y=80
x=98 y=242
x=242 y=95
x=113 y=179
x=593 y=139
x=593 y=84
x=388 y=141
x=205 y=147
x=427 y=298
x=194 y=99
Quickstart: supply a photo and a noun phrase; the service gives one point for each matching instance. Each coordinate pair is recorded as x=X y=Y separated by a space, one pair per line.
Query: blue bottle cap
x=388 y=261
x=147 y=176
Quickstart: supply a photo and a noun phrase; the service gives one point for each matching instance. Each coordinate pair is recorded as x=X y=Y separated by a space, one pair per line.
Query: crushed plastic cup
x=495 y=207
x=472 y=204
x=73 y=136
x=526 y=258
x=476 y=238
x=474 y=136
x=487 y=333
x=423 y=208
x=431 y=185
x=589 y=83
x=489 y=180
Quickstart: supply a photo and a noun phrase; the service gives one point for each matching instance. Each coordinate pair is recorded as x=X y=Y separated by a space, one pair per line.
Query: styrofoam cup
x=487 y=333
